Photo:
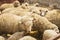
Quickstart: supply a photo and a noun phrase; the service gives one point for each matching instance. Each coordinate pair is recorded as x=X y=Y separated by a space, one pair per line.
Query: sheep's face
x=36 y=5
x=16 y=3
x=43 y=12
x=26 y=4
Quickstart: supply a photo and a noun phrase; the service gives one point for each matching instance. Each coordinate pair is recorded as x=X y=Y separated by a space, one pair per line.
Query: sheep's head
x=16 y=3
x=43 y=12
x=36 y=5
x=26 y=4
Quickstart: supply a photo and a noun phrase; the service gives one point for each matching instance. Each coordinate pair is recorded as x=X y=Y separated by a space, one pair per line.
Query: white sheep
x=27 y=38
x=49 y=34
x=11 y=23
x=16 y=36
x=54 y=17
x=2 y=38
x=42 y=23
x=16 y=11
x=9 y=5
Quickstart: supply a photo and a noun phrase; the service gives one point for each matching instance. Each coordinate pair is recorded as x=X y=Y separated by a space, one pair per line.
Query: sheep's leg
x=16 y=36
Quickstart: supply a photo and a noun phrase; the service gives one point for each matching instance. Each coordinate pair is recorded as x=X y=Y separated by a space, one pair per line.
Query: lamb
x=11 y=23
x=57 y=37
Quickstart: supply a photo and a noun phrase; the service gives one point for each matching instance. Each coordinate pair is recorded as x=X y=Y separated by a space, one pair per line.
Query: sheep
x=11 y=23
x=39 y=10
x=8 y=10
x=16 y=3
x=16 y=11
x=49 y=34
x=54 y=6
x=36 y=5
x=42 y=23
x=2 y=38
x=57 y=37
x=16 y=36
x=54 y=17
x=6 y=5
x=25 y=5
x=9 y=5
x=27 y=38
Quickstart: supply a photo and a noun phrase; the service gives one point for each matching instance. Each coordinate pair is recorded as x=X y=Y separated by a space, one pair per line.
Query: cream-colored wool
x=41 y=23
x=2 y=38
x=49 y=34
x=6 y=6
x=16 y=36
x=11 y=23
x=25 y=5
x=11 y=5
x=17 y=11
x=27 y=38
x=54 y=17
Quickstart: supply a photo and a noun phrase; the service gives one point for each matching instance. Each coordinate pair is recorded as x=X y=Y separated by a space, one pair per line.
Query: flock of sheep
x=25 y=20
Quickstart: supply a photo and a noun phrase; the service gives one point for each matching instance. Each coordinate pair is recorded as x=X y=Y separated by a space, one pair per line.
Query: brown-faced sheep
x=11 y=23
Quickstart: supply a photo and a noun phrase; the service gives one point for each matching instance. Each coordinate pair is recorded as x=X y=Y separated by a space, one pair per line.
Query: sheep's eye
x=26 y=5
x=40 y=10
x=46 y=11
x=37 y=5
x=33 y=11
